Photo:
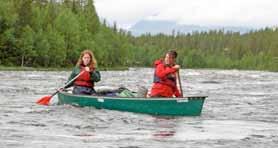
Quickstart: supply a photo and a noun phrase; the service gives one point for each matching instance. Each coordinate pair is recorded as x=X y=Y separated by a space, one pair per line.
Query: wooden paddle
x=46 y=99
x=179 y=82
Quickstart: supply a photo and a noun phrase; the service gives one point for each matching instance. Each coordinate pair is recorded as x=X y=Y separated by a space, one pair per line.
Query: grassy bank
x=5 y=68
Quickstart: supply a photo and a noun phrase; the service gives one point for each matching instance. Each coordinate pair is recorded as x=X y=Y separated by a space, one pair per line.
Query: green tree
x=92 y=18
x=42 y=48
x=25 y=14
x=57 y=50
x=67 y=24
x=26 y=46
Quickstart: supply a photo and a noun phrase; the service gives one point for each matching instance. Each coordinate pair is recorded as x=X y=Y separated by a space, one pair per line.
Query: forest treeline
x=51 y=33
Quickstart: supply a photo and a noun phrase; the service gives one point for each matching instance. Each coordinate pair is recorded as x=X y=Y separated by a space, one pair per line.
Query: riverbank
x=4 y=68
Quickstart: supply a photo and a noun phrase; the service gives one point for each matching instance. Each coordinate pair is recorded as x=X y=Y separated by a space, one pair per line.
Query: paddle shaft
x=67 y=83
x=45 y=100
x=73 y=78
x=179 y=81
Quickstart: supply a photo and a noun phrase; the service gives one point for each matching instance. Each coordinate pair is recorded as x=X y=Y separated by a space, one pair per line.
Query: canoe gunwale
x=135 y=98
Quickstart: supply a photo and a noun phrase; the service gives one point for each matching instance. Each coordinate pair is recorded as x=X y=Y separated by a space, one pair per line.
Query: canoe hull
x=189 y=106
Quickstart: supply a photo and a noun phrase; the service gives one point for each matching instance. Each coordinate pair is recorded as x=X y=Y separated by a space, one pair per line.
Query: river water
x=241 y=111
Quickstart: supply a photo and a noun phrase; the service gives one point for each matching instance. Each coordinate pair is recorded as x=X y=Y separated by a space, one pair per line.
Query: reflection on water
x=162 y=134
x=166 y=128
x=241 y=111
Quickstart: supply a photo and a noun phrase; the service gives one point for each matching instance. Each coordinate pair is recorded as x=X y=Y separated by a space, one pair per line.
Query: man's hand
x=177 y=67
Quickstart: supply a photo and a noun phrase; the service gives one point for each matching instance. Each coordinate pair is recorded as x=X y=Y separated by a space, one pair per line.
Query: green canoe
x=187 y=106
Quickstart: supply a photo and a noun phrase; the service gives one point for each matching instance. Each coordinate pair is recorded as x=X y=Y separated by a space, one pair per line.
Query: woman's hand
x=87 y=69
x=61 y=89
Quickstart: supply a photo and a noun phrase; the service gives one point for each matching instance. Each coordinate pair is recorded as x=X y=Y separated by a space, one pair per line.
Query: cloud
x=128 y=11
x=258 y=13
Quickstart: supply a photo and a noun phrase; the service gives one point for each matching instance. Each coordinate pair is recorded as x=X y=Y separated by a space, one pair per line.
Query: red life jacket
x=169 y=80
x=84 y=79
x=164 y=81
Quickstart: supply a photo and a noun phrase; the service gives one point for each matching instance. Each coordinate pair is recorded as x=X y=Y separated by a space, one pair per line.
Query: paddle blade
x=44 y=100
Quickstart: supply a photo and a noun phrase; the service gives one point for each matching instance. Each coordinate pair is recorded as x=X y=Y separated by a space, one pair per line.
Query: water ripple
x=241 y=111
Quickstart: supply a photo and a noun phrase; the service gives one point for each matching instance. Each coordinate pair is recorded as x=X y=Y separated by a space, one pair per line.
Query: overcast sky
x=255 y=13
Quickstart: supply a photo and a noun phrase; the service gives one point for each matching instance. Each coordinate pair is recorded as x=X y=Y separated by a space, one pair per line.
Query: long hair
x=93 y=62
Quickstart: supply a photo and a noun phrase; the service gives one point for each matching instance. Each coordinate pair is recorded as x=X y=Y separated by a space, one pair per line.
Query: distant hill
x=166 y=27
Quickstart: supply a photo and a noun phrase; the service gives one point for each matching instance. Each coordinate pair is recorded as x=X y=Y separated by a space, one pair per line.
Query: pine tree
x=92 y=18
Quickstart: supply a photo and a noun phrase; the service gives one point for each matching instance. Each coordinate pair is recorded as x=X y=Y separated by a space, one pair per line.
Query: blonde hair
x=93 y=62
